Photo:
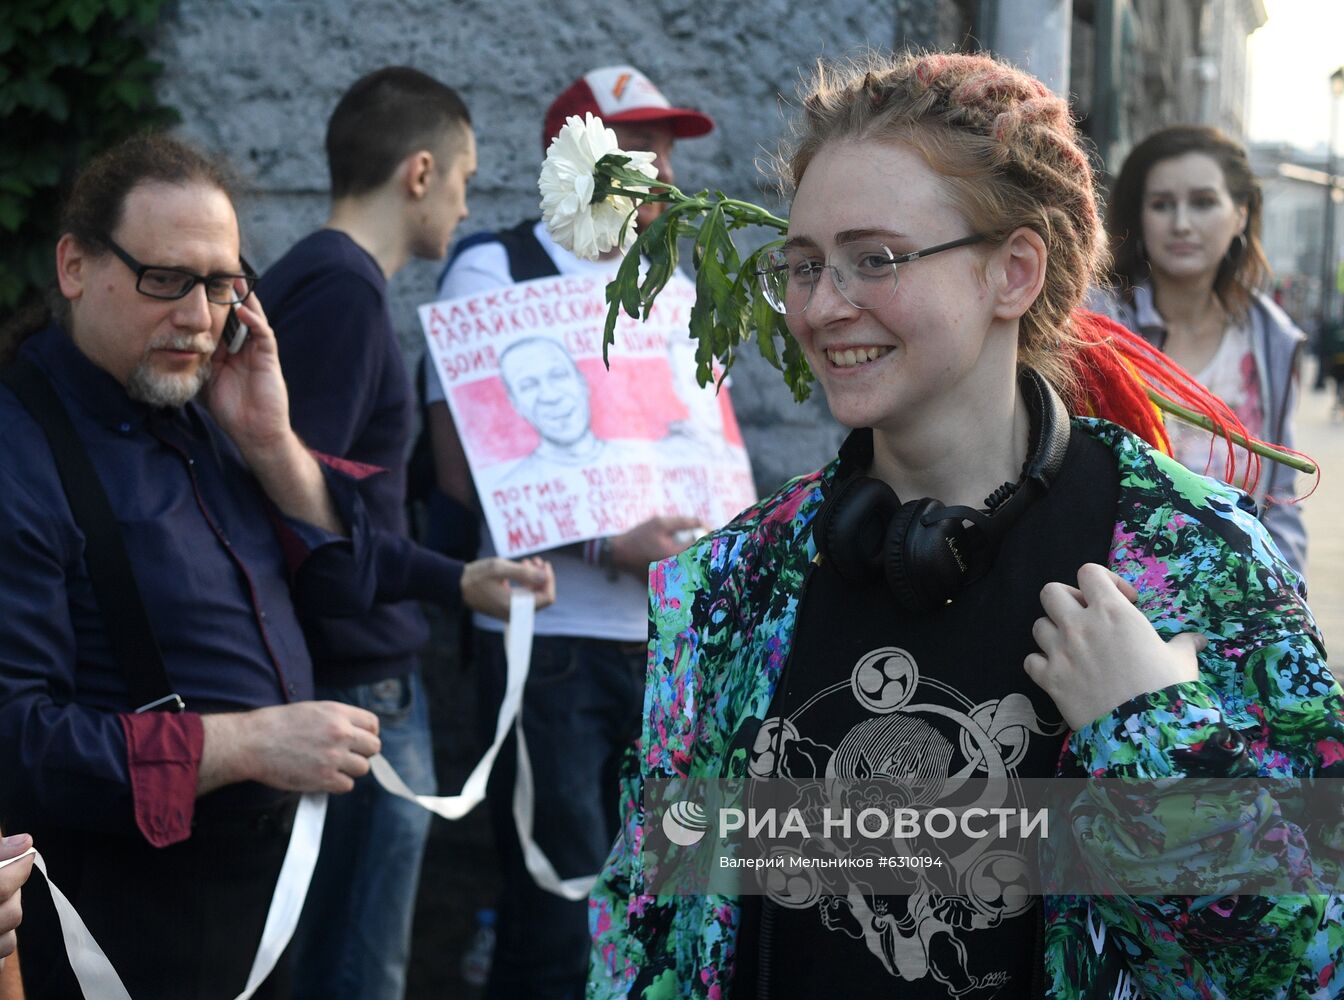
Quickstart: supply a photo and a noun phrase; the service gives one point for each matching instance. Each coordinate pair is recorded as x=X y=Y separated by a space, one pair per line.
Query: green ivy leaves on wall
x=74 y=79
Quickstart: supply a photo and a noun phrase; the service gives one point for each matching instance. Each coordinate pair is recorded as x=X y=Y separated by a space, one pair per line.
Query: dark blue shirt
x=203 y=544
x=350 y=395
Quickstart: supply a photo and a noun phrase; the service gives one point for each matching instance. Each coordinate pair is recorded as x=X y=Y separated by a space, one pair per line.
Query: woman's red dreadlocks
x=1117 y=368
x=1109 y=381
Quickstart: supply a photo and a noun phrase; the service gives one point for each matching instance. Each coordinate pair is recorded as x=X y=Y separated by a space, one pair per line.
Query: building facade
x=1294 y=226
x=1144 y=64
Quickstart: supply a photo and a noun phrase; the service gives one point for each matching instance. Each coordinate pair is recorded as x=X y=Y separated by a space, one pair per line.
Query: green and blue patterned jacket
x=722 y=620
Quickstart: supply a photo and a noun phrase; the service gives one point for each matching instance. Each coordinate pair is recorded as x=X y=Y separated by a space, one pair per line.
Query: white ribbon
x=99 y=981
x=291 y=889
x=96 y=976
x=518 y=659
x=538 y=865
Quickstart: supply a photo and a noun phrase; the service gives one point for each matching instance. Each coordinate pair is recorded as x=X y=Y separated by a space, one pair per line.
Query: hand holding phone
x=235 y=332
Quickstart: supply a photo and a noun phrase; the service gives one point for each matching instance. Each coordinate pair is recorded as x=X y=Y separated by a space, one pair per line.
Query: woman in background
x=1184 y=220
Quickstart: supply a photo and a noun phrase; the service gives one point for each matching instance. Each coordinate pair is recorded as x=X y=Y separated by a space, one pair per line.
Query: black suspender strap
x=105 y=557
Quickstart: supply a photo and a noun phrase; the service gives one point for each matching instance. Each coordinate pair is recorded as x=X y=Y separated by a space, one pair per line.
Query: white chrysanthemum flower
x=567 y=184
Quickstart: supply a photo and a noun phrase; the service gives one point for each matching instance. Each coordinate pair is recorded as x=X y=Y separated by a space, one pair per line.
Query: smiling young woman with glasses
x=990 y=582
x=864 y=272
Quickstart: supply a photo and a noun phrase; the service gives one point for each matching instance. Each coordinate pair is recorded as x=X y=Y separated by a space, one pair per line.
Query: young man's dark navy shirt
x=350 y=395
x=206 y=551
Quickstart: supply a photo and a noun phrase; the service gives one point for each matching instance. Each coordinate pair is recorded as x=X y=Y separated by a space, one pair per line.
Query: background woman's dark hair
x=1239 y=273
x=97 y=199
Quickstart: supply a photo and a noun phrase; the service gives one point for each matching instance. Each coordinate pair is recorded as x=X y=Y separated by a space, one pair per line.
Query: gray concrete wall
x=257 y=80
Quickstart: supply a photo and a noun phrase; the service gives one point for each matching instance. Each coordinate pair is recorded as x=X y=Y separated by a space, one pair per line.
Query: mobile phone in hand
x=235 y=332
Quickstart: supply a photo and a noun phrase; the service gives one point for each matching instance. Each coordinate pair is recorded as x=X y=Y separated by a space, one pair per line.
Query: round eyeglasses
x=171 y=283
x=865 y=273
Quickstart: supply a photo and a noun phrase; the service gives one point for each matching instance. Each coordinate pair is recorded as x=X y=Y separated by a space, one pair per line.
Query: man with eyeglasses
x=175 y=368
x=155 y=721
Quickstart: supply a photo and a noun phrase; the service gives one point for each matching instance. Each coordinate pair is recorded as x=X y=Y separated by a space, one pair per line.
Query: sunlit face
x=1189 y=218
x=655 y=138
x=159 y=350
x=914 y=357
x=546 y=388
x=444 y=205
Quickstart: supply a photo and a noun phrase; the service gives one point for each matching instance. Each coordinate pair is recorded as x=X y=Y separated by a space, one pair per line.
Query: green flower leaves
x=729 y=307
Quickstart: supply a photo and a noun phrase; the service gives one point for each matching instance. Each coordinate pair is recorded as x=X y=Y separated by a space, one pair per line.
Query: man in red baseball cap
x=642 y=118
x=582 y=702
x=622 y=95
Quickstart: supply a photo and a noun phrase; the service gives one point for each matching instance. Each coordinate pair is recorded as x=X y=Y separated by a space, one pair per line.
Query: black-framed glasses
x=170 y=283
x=865 y=273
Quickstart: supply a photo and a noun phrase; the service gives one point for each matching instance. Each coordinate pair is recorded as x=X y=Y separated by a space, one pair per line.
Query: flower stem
x=1263 y=450
x=616 y=179
x=754 y=213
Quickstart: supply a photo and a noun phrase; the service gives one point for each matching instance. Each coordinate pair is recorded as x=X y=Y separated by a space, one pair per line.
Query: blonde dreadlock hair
x=1005 y=146
x=1009 y=153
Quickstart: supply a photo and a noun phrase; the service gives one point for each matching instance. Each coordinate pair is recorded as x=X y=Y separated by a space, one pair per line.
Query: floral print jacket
x=722 y=619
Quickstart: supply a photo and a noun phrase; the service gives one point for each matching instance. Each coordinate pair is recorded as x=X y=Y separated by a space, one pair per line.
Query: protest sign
x=563 y=449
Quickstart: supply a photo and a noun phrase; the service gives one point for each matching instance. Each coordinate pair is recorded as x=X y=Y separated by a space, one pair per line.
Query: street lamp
x=1328 y=242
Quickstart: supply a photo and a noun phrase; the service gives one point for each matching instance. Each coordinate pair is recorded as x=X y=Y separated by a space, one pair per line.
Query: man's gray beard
x=149 y=386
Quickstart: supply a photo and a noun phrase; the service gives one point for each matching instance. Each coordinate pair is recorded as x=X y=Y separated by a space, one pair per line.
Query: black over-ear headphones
x=925 y=551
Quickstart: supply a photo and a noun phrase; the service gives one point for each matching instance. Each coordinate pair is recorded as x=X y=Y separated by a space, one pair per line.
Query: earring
x=1236 y=249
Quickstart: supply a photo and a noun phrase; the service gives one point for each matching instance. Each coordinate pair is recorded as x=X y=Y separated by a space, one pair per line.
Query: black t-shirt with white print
x=930 y=699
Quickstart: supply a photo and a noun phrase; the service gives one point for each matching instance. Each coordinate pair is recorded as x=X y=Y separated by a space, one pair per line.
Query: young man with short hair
x=401 y=150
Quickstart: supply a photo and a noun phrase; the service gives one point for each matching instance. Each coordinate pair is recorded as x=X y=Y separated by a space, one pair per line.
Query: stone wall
x=257 y=80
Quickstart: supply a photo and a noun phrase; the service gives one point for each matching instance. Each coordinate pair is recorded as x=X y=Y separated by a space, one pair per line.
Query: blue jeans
x=581 y=710
x=354 y=936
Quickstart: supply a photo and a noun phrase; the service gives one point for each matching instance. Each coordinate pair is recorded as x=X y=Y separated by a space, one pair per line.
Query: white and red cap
x=619 y=94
